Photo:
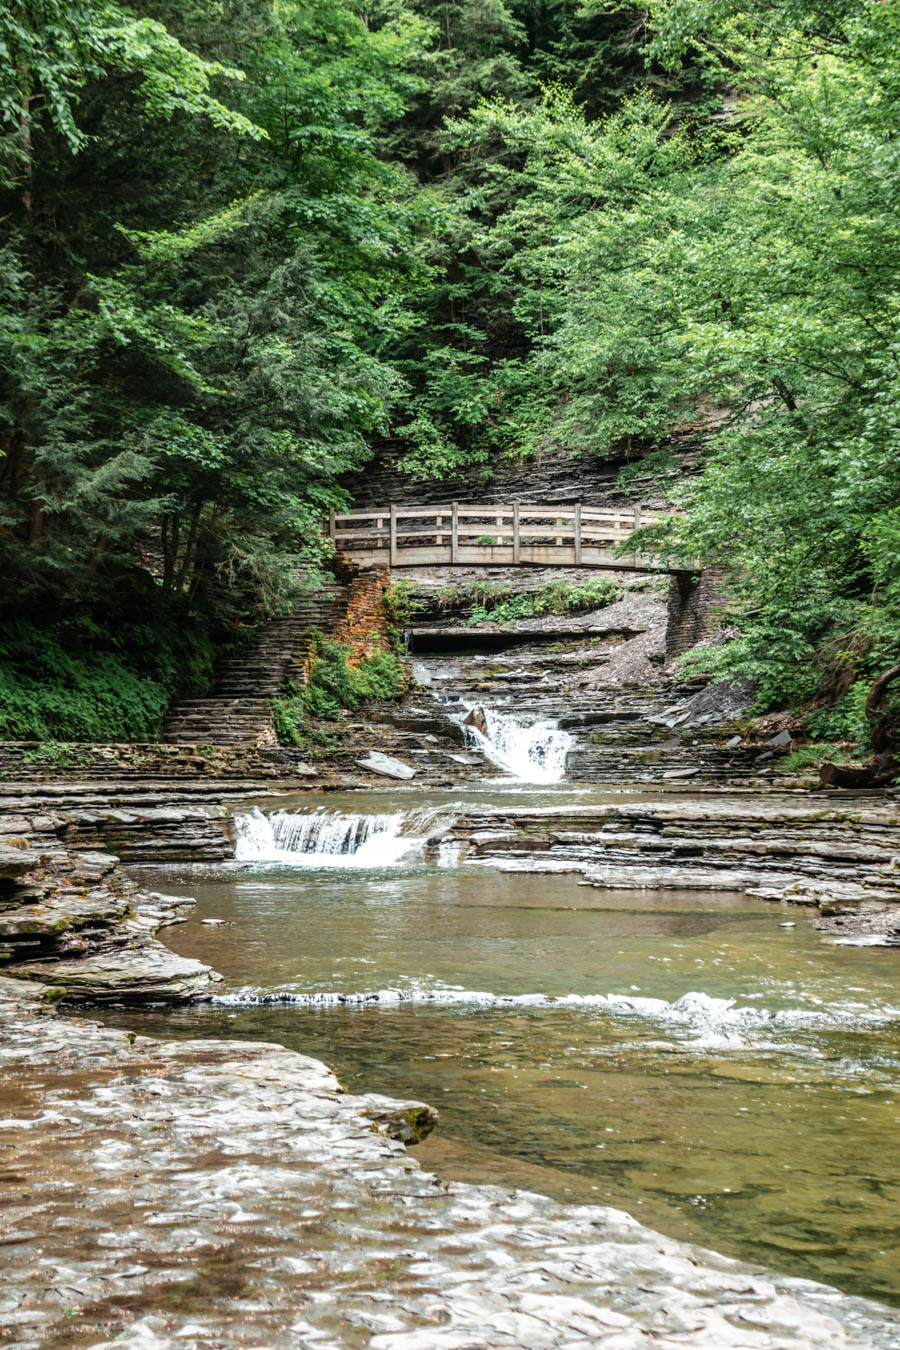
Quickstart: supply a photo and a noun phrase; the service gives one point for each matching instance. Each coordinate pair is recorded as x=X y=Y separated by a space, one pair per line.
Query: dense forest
x=242 y=241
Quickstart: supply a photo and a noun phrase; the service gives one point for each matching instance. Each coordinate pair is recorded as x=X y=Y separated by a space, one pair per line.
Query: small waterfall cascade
x=532 y=752
x=330 y=838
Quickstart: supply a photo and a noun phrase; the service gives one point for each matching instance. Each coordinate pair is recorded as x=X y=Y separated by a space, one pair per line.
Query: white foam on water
x=718 y=1021
x=449 y=852
x=317 y=839
x=532 y=752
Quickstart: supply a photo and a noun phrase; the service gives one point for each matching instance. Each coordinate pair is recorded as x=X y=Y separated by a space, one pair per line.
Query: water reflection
x=679 y=1055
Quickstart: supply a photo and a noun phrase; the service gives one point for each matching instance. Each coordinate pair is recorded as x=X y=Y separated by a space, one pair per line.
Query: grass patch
x=811 y=756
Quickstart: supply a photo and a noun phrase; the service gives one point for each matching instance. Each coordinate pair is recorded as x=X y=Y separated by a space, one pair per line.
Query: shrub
x=497 y=604
x=400 y=604
x=77 y=680
x=334 y=686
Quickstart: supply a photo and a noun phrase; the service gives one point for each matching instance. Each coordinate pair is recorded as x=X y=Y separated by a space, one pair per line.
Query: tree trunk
x=884 y=766
x=875 y=773
x=884 y=737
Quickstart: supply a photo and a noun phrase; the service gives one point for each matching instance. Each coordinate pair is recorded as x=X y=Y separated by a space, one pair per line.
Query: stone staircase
x=238 y=709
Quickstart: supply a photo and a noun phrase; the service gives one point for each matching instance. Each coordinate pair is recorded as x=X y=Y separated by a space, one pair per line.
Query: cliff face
x=550 y=477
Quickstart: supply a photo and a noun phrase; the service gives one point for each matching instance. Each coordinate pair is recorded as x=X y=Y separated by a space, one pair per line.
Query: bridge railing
x=489 y=534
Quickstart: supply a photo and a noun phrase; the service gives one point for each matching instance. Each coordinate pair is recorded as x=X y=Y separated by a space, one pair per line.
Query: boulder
x=478 y=720
x=376 y=762
x=410 y=1122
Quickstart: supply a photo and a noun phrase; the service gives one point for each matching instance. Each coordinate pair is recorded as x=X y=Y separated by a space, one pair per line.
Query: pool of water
x=684 y=1056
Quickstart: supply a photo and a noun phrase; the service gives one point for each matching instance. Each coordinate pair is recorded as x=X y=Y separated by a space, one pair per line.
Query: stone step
x=238 y=709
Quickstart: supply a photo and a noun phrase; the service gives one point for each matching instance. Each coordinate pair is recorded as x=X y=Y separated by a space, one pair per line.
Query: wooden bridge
x=520 y=535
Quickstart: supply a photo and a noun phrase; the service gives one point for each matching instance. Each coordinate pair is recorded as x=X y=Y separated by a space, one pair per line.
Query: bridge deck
x=519 y=535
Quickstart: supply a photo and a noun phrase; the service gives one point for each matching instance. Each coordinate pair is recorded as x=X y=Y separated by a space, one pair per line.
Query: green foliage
x=288 y=716
x=811 y=756
x=844 y=719
x=504 y=607
x=240 y=246
x=492 y=603
x=335 y=687
x=403 y=606
x=206 y=256
x=76 y=680
x=745 y=271
x=189 y=359
x=51 y=50
x=293 y=728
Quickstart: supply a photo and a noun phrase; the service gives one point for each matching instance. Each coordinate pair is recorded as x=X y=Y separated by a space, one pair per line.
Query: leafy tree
x=744 y=273
x=190 y=357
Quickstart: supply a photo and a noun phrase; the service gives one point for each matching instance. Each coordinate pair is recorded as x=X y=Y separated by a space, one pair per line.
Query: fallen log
x=880 y=771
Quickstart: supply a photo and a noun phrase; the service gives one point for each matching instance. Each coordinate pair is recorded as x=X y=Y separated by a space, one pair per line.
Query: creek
x=684 y=1056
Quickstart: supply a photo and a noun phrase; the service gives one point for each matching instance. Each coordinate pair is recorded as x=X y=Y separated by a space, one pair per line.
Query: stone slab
x=376 y=762
x=238 y=1198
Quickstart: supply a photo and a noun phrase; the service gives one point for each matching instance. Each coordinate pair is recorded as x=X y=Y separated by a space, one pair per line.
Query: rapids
x=680 y=1055
x=699 y=1059
x=530 y=750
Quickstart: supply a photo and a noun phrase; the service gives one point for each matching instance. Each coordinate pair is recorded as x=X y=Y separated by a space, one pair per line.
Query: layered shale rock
x=75 y=920
x=844 y=859
x=239 y=1197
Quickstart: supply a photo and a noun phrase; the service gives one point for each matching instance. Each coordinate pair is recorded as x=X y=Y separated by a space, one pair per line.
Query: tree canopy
x=240 y=243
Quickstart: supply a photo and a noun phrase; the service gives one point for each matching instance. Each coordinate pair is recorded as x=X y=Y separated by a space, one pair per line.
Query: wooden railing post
x=543 y=529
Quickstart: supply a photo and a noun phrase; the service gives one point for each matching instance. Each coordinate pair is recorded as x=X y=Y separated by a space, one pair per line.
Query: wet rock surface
x=376 y=762
x=622 y=735
x=841 y=858
x=76 y=919
x=238 y=1198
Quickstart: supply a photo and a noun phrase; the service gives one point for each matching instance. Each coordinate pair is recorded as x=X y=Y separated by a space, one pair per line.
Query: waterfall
x=533 y=752
x=329 y=838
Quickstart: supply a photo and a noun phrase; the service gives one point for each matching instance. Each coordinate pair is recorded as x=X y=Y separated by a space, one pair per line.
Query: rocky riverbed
x=71 y=916
x=222 y=1194
x=237 y=1195
x=840 y=860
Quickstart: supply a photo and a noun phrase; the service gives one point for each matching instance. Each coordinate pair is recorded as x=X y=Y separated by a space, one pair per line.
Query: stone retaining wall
x=365 y=625
x=694 y=606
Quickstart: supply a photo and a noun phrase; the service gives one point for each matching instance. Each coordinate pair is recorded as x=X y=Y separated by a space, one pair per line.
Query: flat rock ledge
x=842 y=860
x=211 y=1195
x=76 y=922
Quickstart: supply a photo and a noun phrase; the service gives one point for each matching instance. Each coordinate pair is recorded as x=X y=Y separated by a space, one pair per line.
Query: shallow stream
x=685 y=1056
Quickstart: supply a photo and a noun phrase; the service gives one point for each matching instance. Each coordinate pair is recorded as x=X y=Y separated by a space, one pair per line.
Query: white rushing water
x=532 y=752
x=329 y=838
x=719 y=1023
